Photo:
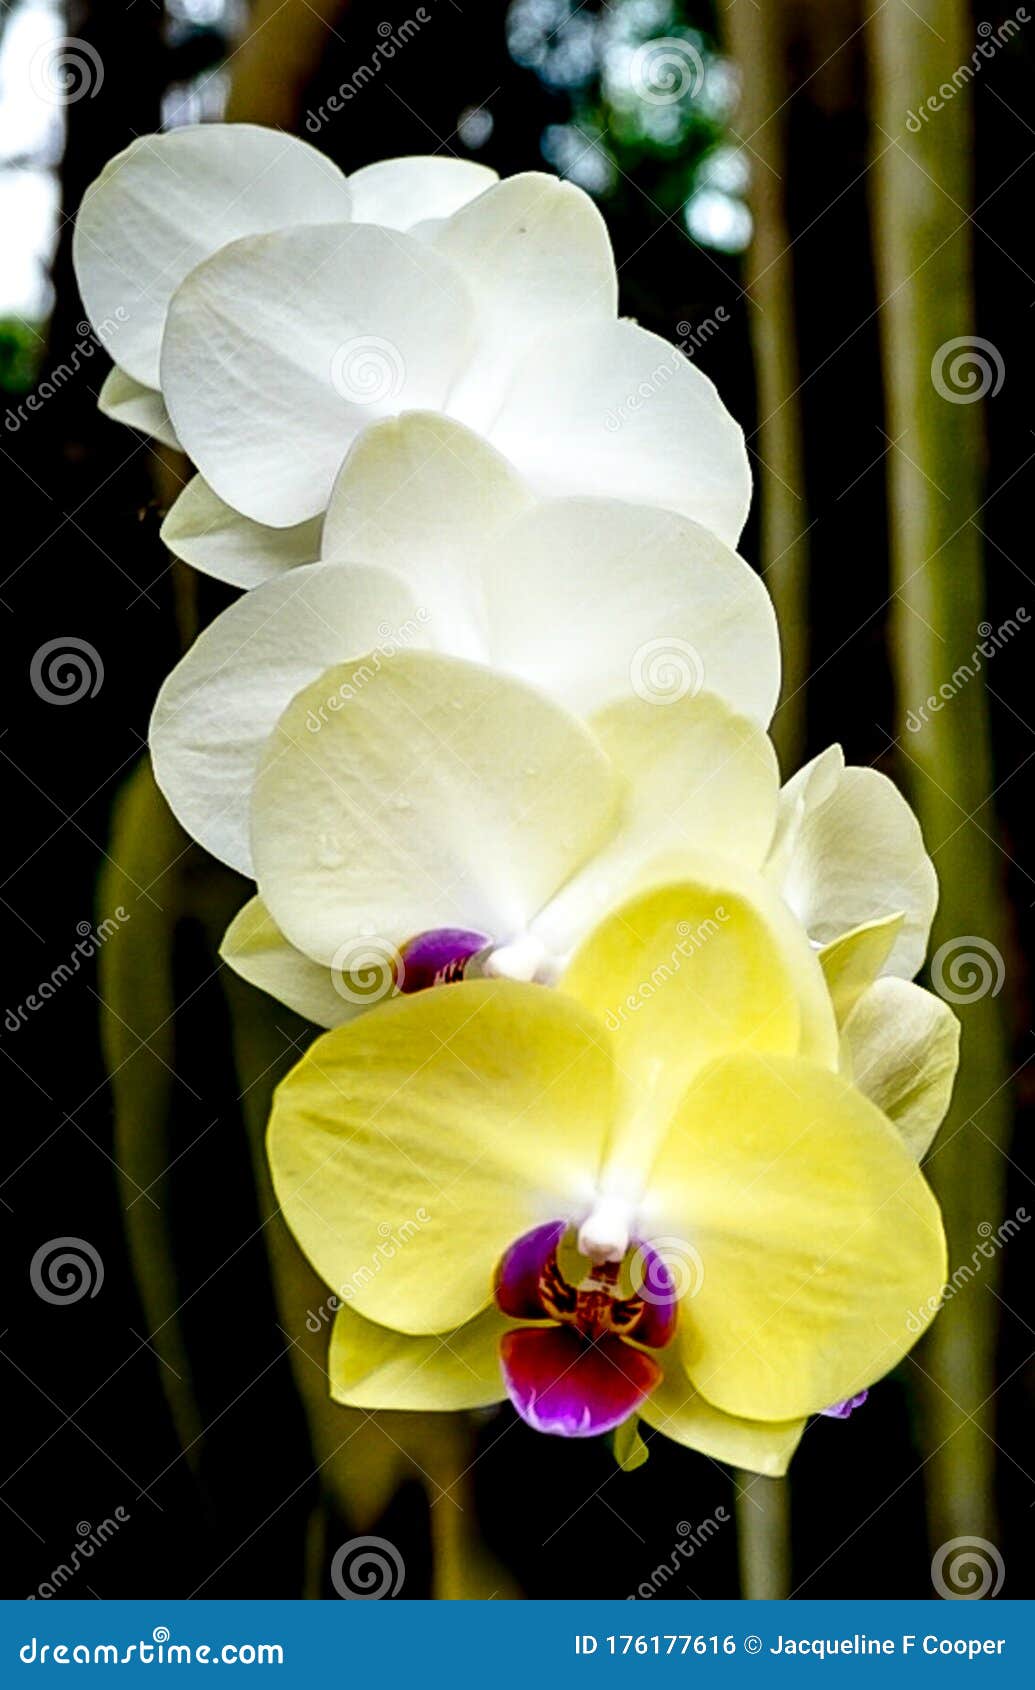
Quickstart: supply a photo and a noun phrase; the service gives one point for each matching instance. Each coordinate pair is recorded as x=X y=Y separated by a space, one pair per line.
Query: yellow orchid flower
x=648 y=1191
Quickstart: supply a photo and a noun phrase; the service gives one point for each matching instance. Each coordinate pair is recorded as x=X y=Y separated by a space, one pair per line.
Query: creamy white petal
x=608 y=408
x=440 y=795
x=903 y=1045
x=425 y=497
x=698 y=780
x=280 y=348
x=594 y=599
x=168 y=201
x=218 y=540
x=399 y=192
x=221 y=702
x=257 y=950
x=536 y=255
x=129 y=402
x=851 y=852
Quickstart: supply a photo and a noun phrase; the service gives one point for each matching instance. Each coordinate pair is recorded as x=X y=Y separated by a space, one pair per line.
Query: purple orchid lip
x=438 y=957
x=581 y=1375
x=844 y=1409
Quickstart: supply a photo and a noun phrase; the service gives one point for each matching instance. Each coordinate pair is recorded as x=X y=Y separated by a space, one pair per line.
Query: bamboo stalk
x=755 y=36
x=920 y=192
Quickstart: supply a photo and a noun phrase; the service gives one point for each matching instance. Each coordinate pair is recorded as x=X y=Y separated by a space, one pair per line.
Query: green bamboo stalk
x=755 y=36
x=920 y=194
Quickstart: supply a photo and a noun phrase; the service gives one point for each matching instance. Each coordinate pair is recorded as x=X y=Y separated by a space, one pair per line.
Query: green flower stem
x=135 y=970
x=920 y=189
x=763 y=1515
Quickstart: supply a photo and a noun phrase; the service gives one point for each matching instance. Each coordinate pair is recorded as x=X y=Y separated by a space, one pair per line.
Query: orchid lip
x=584 y=1372
x=441 y=956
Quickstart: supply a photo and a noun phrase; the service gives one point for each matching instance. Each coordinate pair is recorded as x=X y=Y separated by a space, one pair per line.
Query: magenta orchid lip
x=584 y=1373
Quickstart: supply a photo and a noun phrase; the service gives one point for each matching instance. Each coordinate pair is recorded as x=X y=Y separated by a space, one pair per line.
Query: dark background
x=87 y=1426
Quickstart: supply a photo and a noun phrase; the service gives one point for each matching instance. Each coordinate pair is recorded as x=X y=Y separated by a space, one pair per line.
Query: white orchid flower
x=169 y=201
x=263 y=310
x=447 y=822
x=445 y=548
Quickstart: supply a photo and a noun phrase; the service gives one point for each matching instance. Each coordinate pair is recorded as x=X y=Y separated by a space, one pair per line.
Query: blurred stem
x=277 y=58
x=920 y=189
x=755 y=35
x=763 y=1513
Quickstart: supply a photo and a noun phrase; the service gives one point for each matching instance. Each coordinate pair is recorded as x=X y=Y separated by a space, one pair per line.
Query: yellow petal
x=853 y=962
x=817 y=1234
x=465 y=1115
x=371 y=1366
x=903 y=1044
x=675 y=1408
x=435 y=793
x=680 y=975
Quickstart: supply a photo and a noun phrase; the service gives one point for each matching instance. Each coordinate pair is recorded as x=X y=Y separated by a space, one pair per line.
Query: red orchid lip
x=580 y=1376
